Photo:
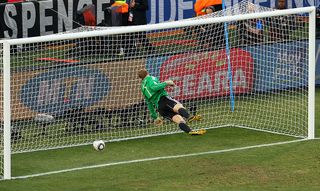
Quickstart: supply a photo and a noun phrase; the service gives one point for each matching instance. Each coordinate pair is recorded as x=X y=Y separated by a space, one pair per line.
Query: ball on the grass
x=99 y=145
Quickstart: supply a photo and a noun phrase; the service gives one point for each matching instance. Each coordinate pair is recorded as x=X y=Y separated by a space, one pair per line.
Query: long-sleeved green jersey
x=152 y=89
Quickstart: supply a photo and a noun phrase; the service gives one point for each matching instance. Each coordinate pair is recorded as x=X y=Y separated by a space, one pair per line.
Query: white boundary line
x=157 y=158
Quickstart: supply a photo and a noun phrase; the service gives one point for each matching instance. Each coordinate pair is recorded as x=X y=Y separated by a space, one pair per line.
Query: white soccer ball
x=99 y=145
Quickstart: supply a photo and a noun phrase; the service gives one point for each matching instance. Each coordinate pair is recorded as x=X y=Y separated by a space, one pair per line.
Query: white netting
x=72 y=92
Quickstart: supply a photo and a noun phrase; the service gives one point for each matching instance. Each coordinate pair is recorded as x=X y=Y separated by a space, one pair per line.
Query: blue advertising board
x=56 y=91
x=281 y=66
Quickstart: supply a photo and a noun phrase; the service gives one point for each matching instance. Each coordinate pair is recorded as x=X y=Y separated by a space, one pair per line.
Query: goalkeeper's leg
x=178 y=108
x=184 y=127
x=172 y=109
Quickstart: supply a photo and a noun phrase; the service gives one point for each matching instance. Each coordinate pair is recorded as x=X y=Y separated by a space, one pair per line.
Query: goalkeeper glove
x=169 y=83
x=158 y=121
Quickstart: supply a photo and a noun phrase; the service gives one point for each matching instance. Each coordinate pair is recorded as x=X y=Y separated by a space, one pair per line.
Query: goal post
x=70 y=89
x=312 y=78
x=6 y=111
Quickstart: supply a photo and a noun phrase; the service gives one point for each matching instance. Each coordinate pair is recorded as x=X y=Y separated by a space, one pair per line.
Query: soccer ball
x=99 y=145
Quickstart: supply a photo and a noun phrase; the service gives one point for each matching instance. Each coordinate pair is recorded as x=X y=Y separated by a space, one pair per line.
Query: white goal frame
x=119 y=30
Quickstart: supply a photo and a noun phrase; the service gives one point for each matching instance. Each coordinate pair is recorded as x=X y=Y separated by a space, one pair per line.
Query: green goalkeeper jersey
x=152 y=89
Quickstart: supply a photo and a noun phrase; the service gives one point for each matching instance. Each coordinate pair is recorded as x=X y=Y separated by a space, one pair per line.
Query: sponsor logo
x=281 y=66
x=206 y=74
x=56 y=91
x=290 y=66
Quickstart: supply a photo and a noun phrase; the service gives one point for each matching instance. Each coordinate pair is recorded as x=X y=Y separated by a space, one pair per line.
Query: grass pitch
x=293 y=166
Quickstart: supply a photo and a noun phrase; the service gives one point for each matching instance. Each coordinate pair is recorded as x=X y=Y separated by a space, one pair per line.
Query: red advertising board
x=205 y=74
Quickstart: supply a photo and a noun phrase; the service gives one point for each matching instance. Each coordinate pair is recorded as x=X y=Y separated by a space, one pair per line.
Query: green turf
x=293 y=166
x=287 y=167
x=138 y=149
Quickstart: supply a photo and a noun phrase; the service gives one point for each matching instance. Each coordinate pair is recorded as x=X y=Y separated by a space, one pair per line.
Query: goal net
x=247 y=66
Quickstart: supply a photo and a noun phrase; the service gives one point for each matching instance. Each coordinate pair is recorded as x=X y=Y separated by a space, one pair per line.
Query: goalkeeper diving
x=158 y=100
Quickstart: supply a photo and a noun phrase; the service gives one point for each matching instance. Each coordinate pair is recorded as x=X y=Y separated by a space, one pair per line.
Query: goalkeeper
x=158 y=100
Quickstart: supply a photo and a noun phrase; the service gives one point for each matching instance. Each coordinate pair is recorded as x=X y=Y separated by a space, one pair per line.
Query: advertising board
x=59 y=89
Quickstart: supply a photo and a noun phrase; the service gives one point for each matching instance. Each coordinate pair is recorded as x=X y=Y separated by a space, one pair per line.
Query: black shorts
x=165 y=107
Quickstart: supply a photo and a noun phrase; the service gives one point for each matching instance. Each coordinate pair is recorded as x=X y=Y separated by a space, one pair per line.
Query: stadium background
x=237 y=135
x=36 y=18
x=47 y=17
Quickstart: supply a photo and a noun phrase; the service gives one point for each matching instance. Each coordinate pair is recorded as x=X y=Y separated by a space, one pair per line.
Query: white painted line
x=157 y=158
